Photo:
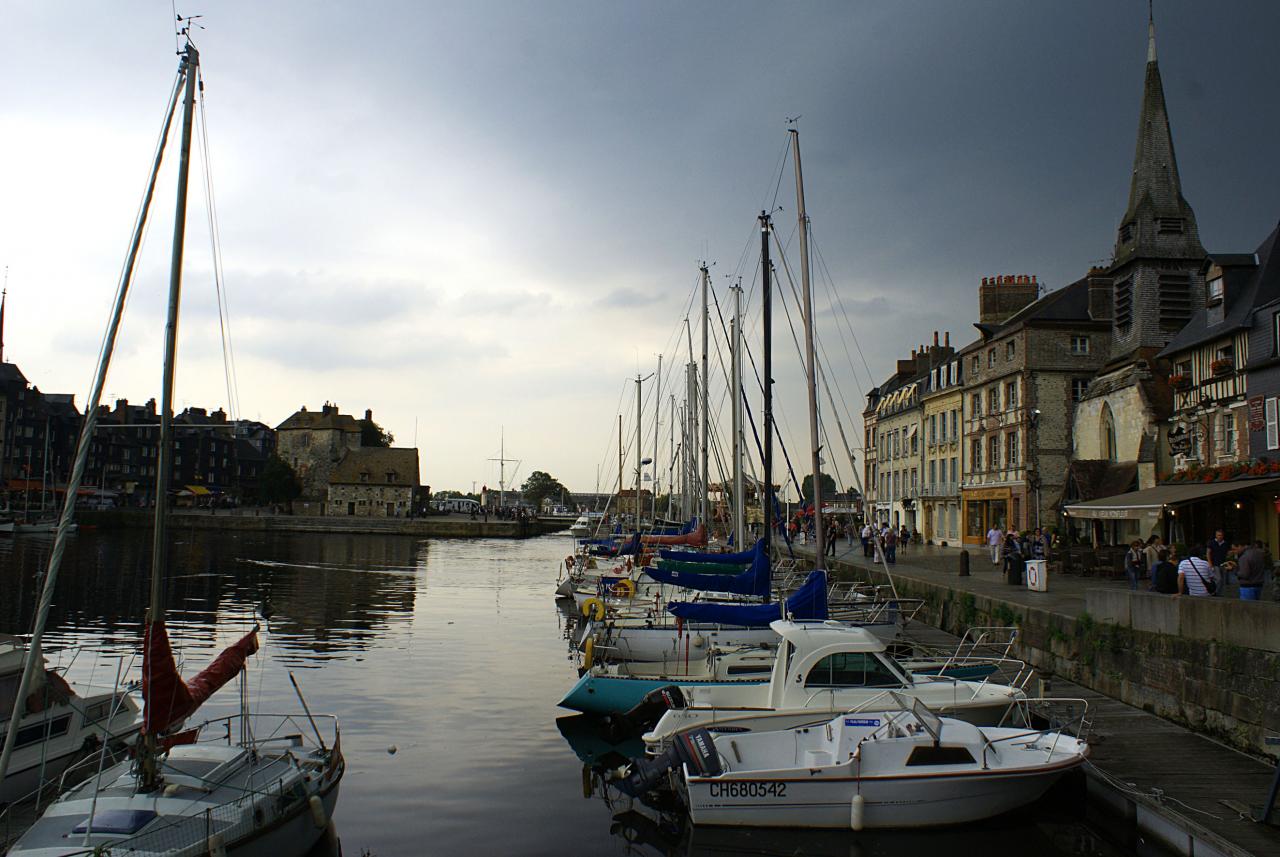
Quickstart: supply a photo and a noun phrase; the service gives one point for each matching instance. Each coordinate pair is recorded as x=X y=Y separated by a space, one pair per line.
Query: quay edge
x=431 y=527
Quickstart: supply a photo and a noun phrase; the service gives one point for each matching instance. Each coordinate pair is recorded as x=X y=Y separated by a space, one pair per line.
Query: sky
x=479 y=219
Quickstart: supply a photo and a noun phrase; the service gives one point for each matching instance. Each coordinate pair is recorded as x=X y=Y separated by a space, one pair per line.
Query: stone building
x=1263 y=362
x=1019 y=379
x=313 y=442
x=1150 y=291
x=943 y=402
x=373 y=482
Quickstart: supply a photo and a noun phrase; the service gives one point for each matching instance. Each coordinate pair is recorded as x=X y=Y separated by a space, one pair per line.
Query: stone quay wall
x=433 y=527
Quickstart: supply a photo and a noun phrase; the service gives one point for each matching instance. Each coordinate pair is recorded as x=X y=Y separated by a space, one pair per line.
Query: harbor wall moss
x=1200 y=663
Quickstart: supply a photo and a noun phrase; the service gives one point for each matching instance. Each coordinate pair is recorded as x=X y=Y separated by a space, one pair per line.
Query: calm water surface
x=444 y=661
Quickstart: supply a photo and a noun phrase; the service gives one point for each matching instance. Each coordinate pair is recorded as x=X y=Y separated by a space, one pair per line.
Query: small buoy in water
x=856 y=808
x=318 y=816
x=392 y=750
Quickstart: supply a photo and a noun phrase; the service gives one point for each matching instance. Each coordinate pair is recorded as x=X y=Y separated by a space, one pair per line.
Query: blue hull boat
x=595 y=694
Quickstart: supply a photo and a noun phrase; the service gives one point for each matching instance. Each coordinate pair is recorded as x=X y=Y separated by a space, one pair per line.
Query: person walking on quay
x=1164 y=576
x=1251 y=568
x=1013 y=556
x=1195 y=576
x=1134 y=562
x=1216 y=553
x=1152 y=551
x=833 y=535
x=1039 y=545
x=995 y=539
x=866 y=541
x=904 y=536
x=890 y=546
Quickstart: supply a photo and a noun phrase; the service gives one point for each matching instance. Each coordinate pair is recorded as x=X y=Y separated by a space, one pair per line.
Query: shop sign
x=1257 y=416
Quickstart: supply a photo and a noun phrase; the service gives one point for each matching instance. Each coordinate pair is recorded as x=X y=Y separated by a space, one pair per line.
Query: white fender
x=318 y=817
x=217 y=848
x=699 y=641
x=856 y=808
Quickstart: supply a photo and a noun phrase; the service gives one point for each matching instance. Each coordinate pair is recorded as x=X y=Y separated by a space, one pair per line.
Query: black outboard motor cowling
x=645 y=714
x=694 y=748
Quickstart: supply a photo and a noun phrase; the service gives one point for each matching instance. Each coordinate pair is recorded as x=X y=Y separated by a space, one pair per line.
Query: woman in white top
x=1195 y=575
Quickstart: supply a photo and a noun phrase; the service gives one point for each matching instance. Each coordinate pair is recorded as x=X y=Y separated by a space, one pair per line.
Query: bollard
x=964 y=563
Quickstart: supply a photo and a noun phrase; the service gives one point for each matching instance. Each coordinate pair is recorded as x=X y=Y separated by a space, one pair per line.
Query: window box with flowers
x=1180 y=381
x=1222 y=366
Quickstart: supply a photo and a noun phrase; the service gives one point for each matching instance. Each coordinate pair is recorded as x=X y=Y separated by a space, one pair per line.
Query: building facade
x=373 y=482
x=943 y=404
x=313 y=442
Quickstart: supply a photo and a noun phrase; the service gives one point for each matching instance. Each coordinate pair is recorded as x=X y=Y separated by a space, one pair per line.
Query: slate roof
x=1250 y=281
x=11 y=374
x=318 y=420
x=370 y=465
x=1069 y=303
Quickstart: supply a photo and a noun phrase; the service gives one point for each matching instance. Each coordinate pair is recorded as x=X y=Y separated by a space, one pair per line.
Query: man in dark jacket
x=1251 y=569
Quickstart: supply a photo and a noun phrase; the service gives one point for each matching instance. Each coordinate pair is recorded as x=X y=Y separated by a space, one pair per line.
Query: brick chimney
x=1002 y=296
x=1100 y=295
x=368 y=415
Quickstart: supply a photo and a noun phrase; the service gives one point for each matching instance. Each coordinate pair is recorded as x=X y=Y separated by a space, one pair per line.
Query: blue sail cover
x=630 y=548
x=726 y=558
x=753 y=581
x=809 y=602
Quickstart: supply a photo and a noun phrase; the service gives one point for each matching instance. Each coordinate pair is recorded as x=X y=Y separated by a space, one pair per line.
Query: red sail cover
x=698 y=538
x=167 y=698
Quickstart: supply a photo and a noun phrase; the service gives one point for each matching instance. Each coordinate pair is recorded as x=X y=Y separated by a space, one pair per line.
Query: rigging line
x=823 y=263
x=782 y=167
x=219 y=280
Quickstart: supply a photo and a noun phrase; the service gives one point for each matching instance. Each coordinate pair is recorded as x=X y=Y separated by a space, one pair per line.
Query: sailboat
x=243 y=784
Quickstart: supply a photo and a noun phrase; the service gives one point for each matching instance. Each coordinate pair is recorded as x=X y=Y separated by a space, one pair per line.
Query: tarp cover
x=739 y=558
x=697 y=538
x=701 y=567
x=753 y=581
x=167 y=698
x=809 y=602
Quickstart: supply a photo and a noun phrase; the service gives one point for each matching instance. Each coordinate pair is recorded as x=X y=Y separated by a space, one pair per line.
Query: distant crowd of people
x=1207 y=570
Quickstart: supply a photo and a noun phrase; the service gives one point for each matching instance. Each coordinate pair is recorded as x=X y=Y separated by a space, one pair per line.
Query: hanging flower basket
x=1222 y=366
x=1180 y=382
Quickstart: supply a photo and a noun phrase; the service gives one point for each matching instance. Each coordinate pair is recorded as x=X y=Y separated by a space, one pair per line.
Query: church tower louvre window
x=1123 y=317
x=1175 y=299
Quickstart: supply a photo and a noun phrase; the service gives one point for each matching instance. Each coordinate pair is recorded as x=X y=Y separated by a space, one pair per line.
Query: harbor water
x=444 y=661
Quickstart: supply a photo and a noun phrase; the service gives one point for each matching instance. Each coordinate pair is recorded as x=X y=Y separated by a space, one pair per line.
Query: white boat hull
x=928 y=800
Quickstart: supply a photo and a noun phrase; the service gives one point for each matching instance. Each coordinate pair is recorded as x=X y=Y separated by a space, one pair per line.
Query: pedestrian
x=1013 y=563
x=1195 y=576
x=1164 y=576
x=866 y=540
x=904 y=536
x=890 y=546
x=833 y=535
x=1152 y=551
x=1216 y=554
x=1039 y=545
x=995 y=539
x=1134 y=561
x=1251 y=569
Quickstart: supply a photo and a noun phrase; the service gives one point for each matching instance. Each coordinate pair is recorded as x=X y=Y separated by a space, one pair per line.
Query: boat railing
x=998 y=639
x=1060 y=714
x=1012 y=672
x=892 y=611
x=267 y=728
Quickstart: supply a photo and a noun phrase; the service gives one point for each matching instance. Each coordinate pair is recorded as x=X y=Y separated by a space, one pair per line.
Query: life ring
x=593 y=608
x=588 y=653
x=625 y=588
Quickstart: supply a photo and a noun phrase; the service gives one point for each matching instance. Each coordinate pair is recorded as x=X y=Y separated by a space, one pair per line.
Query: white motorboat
x=893 y=769
x=61 y=727
x=823 y=668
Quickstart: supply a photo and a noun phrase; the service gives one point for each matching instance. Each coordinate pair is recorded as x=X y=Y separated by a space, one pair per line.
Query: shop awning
x=199 y=490
x=1148 y=503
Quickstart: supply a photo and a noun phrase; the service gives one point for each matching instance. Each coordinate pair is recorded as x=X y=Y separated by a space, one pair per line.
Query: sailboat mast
x=502 y=467
x=164 y=462
x=621 y=467
x=671 y=431
x=739 y=516
x=815 y=449
x=705 y=391
x=766 y=301
x=639 y=466
x=657 y=411
x=148 y=767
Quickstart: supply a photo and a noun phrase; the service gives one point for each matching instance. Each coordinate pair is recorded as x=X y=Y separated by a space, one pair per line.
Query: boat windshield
x=852 y=669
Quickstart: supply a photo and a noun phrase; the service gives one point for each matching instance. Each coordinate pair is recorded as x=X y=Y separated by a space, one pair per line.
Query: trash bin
x=1038 y=575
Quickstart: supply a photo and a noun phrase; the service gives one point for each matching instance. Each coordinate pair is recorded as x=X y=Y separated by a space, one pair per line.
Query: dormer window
x=1126 y=233
x=1170 y=226
x=364 y=477
x=1215 y=291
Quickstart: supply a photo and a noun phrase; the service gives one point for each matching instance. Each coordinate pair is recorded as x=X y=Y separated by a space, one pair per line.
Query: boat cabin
x=816 y=657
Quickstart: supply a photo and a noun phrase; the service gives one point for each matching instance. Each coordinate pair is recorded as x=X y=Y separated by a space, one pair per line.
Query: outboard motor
x=693 y=748
x=645 y=714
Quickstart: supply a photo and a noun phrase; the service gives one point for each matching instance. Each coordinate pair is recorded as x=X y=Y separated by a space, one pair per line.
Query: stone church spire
x=1157 y=251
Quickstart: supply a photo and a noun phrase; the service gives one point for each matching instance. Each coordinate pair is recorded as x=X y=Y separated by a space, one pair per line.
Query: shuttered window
x=1273 y=428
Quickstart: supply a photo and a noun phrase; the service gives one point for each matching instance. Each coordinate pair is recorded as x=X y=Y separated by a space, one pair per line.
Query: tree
x=278 y=483
x=539 y=486
x=828 y=487
x=372 y=434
